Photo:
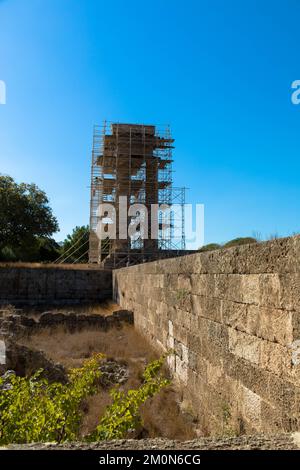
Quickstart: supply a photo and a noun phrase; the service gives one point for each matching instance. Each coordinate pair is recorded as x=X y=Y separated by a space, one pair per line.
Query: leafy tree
x=75 y=246
x=48 y=249
x=25 y=218
x=33 y=250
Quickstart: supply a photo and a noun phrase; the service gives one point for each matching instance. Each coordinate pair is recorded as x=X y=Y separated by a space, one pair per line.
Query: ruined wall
x=233 y=318
x=284 y=441
x=25 y=285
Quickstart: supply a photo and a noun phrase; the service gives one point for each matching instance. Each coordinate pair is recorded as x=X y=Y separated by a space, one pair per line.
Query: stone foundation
x=261 y=442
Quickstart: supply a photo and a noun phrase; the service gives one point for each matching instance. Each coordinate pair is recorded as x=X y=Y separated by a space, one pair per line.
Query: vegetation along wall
x=232 y=318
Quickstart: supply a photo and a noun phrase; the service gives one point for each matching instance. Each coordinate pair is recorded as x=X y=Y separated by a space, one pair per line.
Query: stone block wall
x=232 y=318
x=32 y=286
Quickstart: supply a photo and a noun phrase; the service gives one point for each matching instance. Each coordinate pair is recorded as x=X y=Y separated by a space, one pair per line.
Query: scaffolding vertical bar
x=134 y=160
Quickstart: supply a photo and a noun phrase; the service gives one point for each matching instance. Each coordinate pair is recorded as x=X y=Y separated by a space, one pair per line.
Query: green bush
x=124 y=413
x=240 y=241
x=34 y=410
x=210 y=247
x=234 y=242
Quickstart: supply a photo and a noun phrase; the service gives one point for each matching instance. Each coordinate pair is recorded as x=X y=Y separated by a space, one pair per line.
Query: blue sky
x=218 y=72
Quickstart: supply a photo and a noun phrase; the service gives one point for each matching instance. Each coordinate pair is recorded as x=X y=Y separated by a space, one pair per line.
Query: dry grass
x=70 y=349
x=161 y=415
x=94 y=408
x=19 y=264
x=105 y=308
x=8 y=309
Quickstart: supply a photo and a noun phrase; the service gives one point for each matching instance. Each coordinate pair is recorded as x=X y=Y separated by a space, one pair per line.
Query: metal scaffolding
x=135 y=161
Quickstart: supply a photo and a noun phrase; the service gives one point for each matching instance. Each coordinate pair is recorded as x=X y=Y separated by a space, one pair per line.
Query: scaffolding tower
x=135 y=161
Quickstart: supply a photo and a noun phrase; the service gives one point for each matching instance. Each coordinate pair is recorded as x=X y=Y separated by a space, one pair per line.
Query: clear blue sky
x=219 y=72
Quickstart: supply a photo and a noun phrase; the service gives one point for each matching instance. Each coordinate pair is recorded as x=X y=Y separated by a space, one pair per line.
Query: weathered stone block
x=270 y=290
x=275 y=358
x=282 y=394
x=250 y=289
x=270 y=323
x=206 y=307
x=251 y=406
x=244 y=345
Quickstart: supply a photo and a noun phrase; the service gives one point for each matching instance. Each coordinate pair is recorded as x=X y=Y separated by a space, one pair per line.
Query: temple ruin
x=132 y=165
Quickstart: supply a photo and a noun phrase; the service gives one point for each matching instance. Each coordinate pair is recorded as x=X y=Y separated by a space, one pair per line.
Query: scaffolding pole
x=134 y=160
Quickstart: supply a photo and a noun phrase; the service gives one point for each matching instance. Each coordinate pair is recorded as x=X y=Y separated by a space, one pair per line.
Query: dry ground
x=20 y=264
x=107 y=307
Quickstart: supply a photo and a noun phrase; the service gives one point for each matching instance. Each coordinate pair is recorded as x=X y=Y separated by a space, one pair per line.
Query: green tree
x=75 y=246
x=48 y=249
x=25 y=218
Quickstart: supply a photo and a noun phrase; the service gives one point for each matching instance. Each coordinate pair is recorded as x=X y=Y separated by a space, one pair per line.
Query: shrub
x=210 y=247
x=240 y=241
x=33 y=410
x=124 y=413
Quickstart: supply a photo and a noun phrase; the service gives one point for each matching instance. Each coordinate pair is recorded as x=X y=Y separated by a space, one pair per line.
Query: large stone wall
x=233 y=319
x=51 y=285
